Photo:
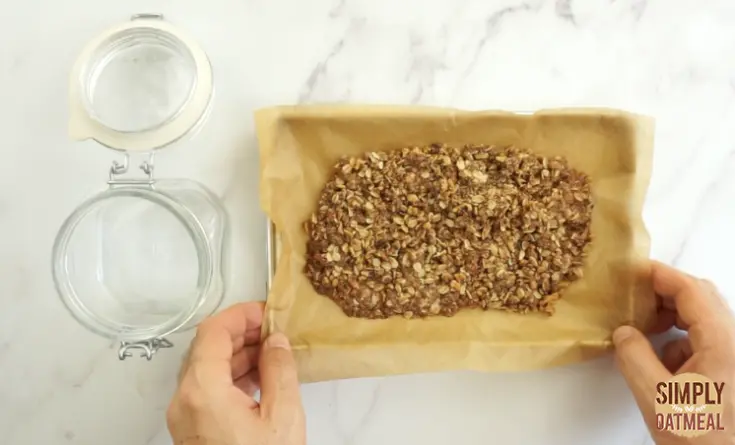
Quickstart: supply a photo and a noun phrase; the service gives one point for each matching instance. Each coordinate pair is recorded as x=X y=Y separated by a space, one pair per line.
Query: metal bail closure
x=118 y=170
x=148 y=348
x=139 y=86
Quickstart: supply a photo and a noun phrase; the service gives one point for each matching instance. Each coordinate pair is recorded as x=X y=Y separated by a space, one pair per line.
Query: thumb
x=640 y=367
x=279 y=382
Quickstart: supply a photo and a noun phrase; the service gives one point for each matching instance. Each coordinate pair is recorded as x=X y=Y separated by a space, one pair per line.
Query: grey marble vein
x=350 y=437
x=319 y=70
x=492 y=27
x=638 y=8
x=338 y=9
x=425 y=62
x=563 y=9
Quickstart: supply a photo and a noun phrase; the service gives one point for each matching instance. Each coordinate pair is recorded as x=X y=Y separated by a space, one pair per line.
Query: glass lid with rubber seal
x=140 y=86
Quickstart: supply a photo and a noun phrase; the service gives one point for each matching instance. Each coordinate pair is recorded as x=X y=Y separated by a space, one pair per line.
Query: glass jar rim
x=103 y=327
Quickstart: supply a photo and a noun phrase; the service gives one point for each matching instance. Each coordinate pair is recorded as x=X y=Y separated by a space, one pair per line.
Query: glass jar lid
x=139 y=86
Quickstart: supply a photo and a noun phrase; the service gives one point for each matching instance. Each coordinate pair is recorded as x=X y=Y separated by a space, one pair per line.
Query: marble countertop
x=673 y=59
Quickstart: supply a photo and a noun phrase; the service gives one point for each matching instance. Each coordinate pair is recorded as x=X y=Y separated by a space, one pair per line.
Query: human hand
x=226 y=365
x=694 y=306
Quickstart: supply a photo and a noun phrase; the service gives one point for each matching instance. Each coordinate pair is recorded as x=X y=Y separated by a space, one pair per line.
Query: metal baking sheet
x=271 y=253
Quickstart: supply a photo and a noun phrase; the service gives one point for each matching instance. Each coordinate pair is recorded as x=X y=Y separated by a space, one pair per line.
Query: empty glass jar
x=143 y=258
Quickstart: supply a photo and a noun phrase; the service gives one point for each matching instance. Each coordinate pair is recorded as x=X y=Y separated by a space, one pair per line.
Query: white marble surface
x=674 y=59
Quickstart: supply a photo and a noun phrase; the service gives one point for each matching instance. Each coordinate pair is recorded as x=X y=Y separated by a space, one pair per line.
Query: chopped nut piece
x=417 y=267
x=435 y=307
x=426 y=231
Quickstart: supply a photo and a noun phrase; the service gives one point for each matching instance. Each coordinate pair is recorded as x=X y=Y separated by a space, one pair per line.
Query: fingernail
x=622 y=333
x=277 y=340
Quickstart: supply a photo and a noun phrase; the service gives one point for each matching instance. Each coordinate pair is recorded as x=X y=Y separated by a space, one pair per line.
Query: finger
x=676 y=353
x=708 y=286
x=279 y=381
x=665 y=320
x=221 y=336
x=249 y=383
x=694 y=306
x=640 y=367
x=184 y=364
x=244 y=361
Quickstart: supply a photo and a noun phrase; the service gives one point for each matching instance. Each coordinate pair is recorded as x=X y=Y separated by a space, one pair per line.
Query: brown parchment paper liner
x=298 y=147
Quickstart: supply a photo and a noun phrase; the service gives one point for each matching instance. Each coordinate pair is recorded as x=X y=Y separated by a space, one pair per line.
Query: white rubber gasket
x=84 y=126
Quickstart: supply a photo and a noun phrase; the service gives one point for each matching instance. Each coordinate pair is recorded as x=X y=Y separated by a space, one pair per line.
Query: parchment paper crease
x=298 y=147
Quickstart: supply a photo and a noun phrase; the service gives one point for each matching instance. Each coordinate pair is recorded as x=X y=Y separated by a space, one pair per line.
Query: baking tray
x=271 y=253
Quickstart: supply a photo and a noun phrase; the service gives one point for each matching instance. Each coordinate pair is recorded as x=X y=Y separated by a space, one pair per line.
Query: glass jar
x=144 y=257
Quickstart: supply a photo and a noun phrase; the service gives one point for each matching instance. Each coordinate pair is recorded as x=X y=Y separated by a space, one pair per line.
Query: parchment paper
x=298 y=147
